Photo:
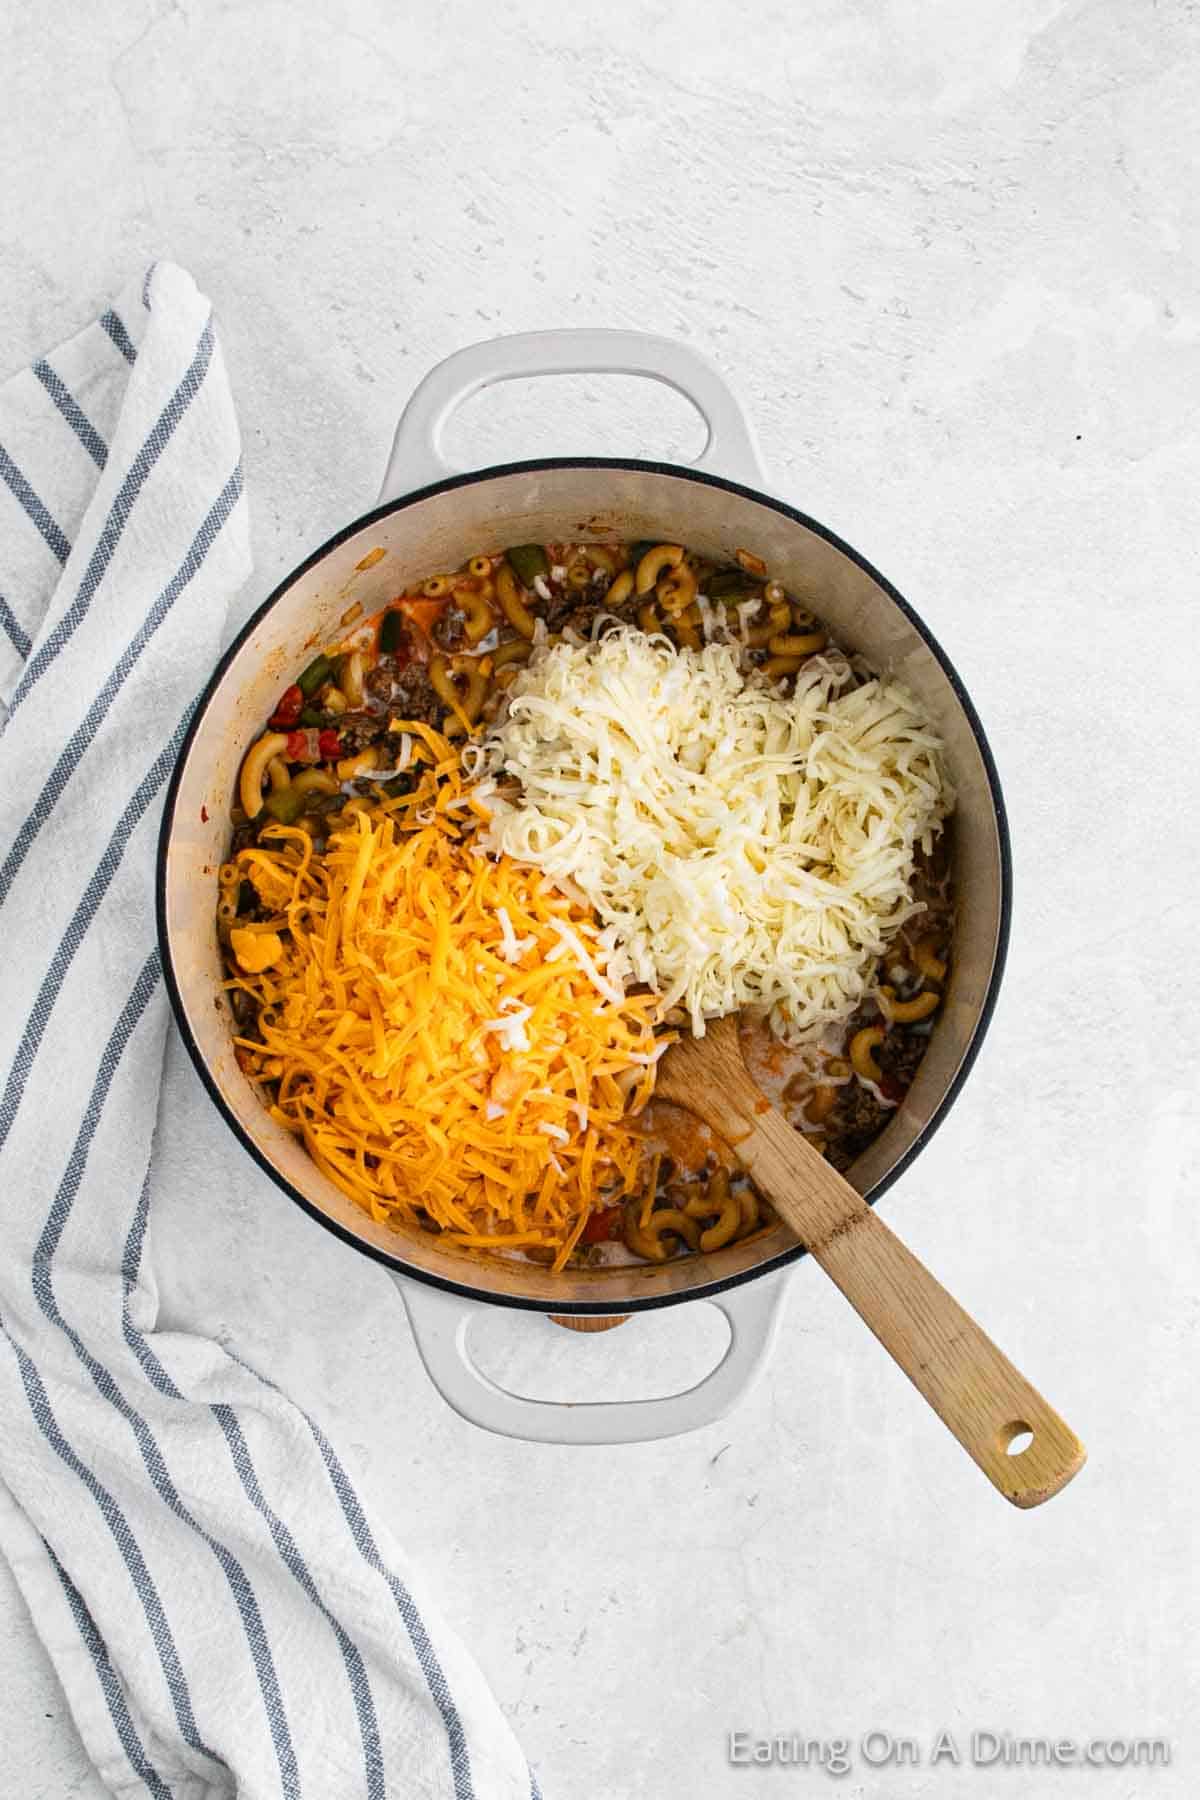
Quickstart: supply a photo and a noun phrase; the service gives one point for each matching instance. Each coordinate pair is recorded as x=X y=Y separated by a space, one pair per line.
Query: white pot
x=428 y=520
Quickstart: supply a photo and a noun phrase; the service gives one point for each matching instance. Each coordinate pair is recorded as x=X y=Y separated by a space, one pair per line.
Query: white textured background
x=947 y=253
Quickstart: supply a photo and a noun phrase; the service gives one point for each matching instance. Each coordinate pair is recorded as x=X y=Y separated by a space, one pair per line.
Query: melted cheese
x=741 y=848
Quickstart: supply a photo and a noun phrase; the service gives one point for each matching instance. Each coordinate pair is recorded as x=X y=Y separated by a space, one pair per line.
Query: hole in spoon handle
x=1022 y=1445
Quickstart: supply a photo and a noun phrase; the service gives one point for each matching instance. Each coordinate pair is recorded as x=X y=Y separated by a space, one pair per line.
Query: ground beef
x=414 y=698
x=899 y=1054
x=399 y=689
x=358 y=729
x=379 y=683
x=559 y=607
x=573 y=611
x=855 y=1122
x=584 y=617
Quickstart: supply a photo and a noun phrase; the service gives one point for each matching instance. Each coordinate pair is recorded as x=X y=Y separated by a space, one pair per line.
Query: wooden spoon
x=969 y=1383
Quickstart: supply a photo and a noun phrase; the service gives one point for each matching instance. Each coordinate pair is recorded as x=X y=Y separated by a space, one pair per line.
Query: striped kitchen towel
x=225 y=1617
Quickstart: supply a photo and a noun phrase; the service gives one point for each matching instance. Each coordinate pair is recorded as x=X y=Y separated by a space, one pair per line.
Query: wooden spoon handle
x=970 y=1384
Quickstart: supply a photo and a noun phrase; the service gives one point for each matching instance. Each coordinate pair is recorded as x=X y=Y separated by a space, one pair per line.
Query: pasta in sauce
x=364 y=740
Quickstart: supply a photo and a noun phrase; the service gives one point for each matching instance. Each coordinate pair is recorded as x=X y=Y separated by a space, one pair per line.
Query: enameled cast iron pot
x=430 y=519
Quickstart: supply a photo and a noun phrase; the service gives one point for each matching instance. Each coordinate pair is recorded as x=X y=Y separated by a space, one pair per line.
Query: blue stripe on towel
x=81 y=738
x=131 y=1555
x=260 y=1649
x=122 y=506
x=293 y=1560
x=15 y=632
x=240 y=1587
x=360 y=1531
x=115 y=328
x=72 y=412
x=110 y=1687
x=81 y=918
x=38 y=512
x=356 y=1671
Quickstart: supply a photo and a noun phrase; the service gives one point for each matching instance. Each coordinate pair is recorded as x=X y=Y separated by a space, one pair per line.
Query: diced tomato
x=312 y=746
x=603 y=1225
x=288 y=711
x=890 y=1088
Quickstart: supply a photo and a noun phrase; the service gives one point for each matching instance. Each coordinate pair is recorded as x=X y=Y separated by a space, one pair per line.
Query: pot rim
x=396 y=1263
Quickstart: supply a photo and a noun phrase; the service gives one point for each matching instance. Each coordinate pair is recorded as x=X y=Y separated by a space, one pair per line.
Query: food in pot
x=752 y=848
x=500 y=841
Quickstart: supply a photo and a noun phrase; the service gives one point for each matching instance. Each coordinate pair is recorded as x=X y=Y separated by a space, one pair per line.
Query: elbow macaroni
x=254 y=768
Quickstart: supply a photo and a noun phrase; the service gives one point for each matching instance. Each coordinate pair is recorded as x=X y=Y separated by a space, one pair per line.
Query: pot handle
x=441 y=1322
x=417 y=459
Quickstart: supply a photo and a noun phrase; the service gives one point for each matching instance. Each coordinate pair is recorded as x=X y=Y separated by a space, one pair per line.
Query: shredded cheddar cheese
x=441 y=1026
x=255 y=950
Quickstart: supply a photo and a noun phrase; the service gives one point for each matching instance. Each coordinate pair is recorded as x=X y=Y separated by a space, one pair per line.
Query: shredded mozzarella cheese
x=747 y=849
